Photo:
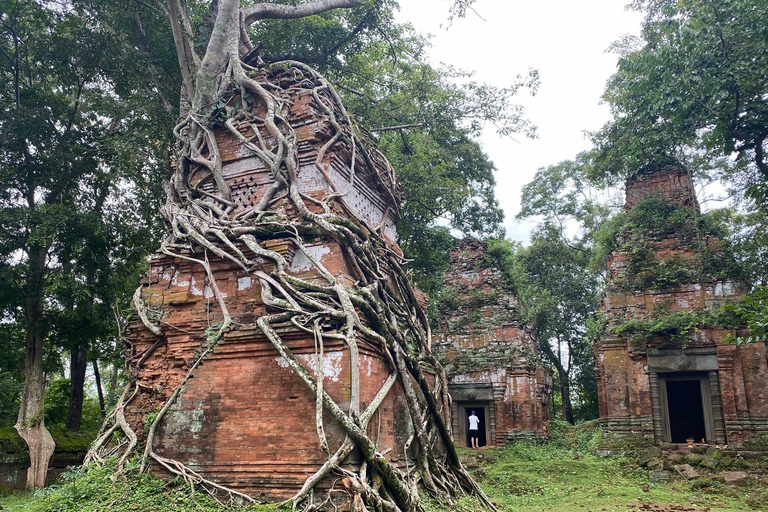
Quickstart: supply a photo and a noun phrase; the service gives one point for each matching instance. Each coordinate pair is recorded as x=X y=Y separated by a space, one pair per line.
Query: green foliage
x=558 y=295
x=10 y=394
x=94 y=490
x=57 y=401
x=692 y=86
x=752 y=309
x=431 y=256
x=566 y=193
x=563 y=474
x=706 y=253
x=149 y=419
x=82 y=133
x=677 y=325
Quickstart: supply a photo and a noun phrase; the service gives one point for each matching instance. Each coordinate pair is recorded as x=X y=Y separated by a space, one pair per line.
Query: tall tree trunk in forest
x=99 y=389
x=565 y=394
x=77 y=367
x=31 y=421
x=563 y=379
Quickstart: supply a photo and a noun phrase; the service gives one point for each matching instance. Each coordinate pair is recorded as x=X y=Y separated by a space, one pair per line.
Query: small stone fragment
x=687 y=471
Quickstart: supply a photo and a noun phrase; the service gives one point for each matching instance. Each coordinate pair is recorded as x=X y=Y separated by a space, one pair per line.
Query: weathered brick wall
x=673 y=182
x=625 y=383
x=480 y=340
x=245 y=419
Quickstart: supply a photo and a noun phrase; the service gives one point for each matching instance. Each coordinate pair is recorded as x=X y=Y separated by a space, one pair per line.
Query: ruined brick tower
x=245 y=419
x=663 y=368
x=489 y=357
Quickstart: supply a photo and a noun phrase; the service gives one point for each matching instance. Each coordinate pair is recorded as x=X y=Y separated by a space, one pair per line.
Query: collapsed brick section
x=636 y=373
x=489 y=357
x=245 y=420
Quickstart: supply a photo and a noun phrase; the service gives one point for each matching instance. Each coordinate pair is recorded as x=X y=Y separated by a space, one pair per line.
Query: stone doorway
x=481 y=409
x=693 y=374
x=687 y=407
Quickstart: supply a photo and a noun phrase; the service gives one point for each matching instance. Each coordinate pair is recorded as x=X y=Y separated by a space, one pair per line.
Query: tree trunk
x=99 y=391
x=112 y=390
x=565 y=395
x=562 y=379
x=31 y=421
x=77 y=367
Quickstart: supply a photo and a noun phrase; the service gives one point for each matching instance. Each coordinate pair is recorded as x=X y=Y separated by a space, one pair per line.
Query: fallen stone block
x=675 y=458
x=687 y=471
x=648 y=454
x=694 y=459
x=659 y=476
x=735 y=477
x=715 y=453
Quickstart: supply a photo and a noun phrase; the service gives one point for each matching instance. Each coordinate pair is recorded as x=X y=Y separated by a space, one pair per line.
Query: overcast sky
x=565 y=40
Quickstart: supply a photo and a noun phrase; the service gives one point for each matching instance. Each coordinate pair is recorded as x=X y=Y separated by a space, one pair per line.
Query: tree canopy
x=692 y=87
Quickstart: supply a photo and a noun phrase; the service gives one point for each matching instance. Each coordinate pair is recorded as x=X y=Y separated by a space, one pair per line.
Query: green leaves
x=753 y=310
x=82 y=136
x=697 y=84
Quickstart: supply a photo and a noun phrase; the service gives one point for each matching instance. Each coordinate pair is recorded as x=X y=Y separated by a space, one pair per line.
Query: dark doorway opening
x=480 y=413
x=686 y=410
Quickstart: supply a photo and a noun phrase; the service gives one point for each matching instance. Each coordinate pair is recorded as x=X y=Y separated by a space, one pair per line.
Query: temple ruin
x=245 y=417
x=664 y=367
x=490 y=360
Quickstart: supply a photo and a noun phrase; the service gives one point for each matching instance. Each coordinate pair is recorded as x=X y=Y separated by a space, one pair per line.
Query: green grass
x=95 y=491
x=564 y=474
x=559 y=475
x=538 y=478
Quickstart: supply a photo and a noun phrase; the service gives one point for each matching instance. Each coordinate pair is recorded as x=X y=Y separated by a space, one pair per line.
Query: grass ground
x=533 y=479
x=563 y=474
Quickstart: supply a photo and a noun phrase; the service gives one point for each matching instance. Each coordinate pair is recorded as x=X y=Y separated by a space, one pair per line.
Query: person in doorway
x=474 y=429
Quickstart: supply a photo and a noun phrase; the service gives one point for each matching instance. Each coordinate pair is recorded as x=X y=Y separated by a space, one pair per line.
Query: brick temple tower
x=245 y=419
x=490 y=360
x=663 y=368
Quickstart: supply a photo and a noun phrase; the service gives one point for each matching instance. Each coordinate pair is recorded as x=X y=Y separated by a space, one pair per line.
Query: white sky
x=566 y=41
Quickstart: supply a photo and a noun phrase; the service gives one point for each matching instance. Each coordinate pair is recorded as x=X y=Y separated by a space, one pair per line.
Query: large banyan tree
x=281 y=216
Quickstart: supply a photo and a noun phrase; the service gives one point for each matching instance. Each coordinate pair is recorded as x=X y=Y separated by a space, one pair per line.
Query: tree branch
x=263 y=11
x=398 y=127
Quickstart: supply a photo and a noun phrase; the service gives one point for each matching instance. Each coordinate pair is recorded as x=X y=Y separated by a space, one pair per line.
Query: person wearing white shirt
x=474 y=429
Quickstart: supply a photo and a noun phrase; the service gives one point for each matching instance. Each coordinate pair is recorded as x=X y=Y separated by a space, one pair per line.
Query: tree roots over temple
x=379 y=307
